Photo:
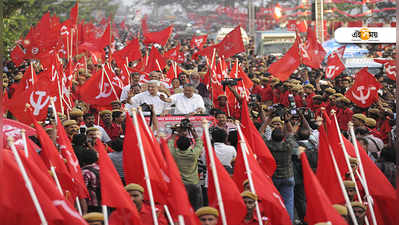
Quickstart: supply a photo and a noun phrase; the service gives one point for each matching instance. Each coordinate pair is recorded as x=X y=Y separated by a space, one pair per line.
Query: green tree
x=20 y=15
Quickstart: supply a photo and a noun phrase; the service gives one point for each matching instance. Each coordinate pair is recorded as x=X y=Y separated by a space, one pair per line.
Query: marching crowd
x=287 y=114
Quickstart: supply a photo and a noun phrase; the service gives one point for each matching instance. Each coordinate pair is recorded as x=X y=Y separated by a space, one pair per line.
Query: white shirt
x=104 y=136
x=146 y=97
x=125 y=93
x=186 y=105
x=225 y=153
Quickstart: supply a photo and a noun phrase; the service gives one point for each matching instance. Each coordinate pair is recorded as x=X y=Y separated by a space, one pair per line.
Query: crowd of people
x=287 y=114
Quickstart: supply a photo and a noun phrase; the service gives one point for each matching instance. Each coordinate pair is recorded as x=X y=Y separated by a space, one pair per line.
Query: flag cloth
x=16 y=205
x=72 y=162
x=231 y=44
x=113 y=194
x=270 y=200
x=364 y=91
x=52 y=158
x=255 y=141
x=313 y=52
x=133 y=164
x=144 y=26
x=234 y=207
x=160 y=37
x=286 y=65
x=318 y=206
x=335 y=66
x=73 y=14
x=17 y=55
x=178 y=200
x=131 y=51
x=389 y=68
x=156 y=62
x=198 y=41
x=97 y=90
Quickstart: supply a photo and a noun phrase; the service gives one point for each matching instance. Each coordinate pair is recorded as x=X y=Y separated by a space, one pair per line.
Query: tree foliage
x=20 y=15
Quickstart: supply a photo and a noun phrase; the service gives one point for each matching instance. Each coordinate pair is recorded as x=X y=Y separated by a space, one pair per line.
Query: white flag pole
x=363 y=176
x=110 y=83
x=341 y=140
x=214 y=172
x=244 y=151
x=105 y=213
x=23 y=134
x=181 y=220
x=28 y=183
x=168 y=214
x=145 y=167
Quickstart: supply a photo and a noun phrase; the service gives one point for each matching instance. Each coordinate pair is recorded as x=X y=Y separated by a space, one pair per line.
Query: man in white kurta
x=187 y=102
x=150 y=97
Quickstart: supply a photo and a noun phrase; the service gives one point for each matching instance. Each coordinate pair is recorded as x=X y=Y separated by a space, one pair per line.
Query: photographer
x=186 y=155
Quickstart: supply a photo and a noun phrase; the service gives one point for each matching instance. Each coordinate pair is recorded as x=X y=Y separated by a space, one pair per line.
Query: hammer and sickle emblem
x=35 y=50
x=390 y=70
x=303 y=49
x=39 y=104
x=104 y=92
x=330 y=70
x=362 y=98
x=198 y=42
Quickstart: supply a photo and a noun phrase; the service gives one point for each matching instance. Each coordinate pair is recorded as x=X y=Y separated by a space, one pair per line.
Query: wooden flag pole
x=244 y=151
x=363 y=176
x=205 y=126
x=28 y=183
x=145 y=166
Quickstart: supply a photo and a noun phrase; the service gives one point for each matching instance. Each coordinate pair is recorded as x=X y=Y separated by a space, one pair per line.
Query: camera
x=230 y=82
x=49 y=117
x=184 y=124
x=145 y=107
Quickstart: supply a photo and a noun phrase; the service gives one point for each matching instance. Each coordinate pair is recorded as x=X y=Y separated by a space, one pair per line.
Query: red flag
x=72 y=162
x=270 y=199
x=173 y=72
x=173 y=54
x=73 y=14
x=318 y=205
x=178 y=200
x=231 y=44
x=364 y=90
x=37 y=96
x=262 y=152
x=97 y=90
x=133 y=164
x=234 y=207
x=198 y=41
x=302 y=26
x=313 y=52
x=325 y=169
x=238 y=72
x=285 y=66
x=113 y=193
x=144 y=26
x=160 y=37
x=53 y=158
x=207 y=52
x=105 y=39
x=131 y=51
x=389 y=67
x=156 y=61
x=16 y=205
x=17 y=55
x=335 y=66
